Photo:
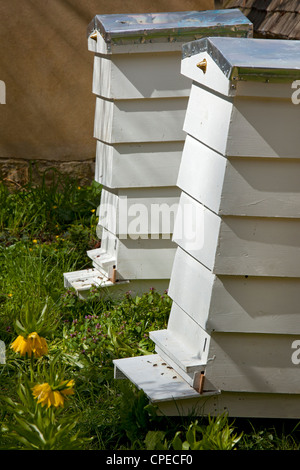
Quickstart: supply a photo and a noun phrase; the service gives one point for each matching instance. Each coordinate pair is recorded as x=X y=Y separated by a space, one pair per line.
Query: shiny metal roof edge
x=240 y=72
x=116 y=27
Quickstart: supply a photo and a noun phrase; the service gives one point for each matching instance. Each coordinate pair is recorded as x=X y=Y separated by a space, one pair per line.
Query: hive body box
x=234 y=330
x=141 y=101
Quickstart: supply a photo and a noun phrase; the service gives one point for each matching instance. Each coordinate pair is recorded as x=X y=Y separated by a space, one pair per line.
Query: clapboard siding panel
x=242 y=126
x=201 y=173
x=208 y=118
x=234 y=303
x=190 y=276
x=253 y=363
x=261 y=187
x=136 y=76
x=255 y=305
x=138 y=165
x=267 y=187
x=232 y=245
x=196 y=230
x=139 y=212
x=156 y=120
x=258 y=246
x=157 y=256
x=255 y=132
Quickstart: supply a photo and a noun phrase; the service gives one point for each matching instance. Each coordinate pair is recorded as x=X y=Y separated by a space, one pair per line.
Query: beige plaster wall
x=47 y=70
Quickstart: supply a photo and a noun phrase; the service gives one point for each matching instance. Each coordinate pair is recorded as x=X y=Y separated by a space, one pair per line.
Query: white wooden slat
x=136 y=76
x=246 y=127
x=240 y=186
x=201 y=173
x=234 y=303
x=190 y=287
x=145 y=259
x=156 y=120
x=264 y=128
x=262 y=187
x=139 y=212
x=258 y=246
x=255 y=305
x=138 y=165
x=254 y=246
x=156 y=254
x=197 y=230
x=259 y=363
x=208 y=118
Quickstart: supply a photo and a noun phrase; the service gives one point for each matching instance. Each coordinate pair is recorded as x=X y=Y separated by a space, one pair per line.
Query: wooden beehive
x=141 y=101
x=235 y=283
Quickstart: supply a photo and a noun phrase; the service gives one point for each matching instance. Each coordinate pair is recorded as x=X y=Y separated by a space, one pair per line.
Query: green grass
x=44 y=232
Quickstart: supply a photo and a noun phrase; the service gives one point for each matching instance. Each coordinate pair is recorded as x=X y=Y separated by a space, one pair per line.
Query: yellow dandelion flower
x=53 y=396
x=32 y=345
x=92 y=210
x=9 y=295
x=78 y=187
x=34 y=241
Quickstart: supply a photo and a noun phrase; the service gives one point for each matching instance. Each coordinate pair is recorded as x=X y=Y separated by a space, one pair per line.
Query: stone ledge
x=17 y=172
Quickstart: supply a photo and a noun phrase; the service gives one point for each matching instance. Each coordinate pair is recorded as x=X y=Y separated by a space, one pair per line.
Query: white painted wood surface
x=159 y=381
x=240 y=186
x=212 y=79
x=208 y=118
x=126 y=255
x=156 y=120
x=139 y=212
x=138 y=165
x=243 y=126
x=254 y=246
x=253 y=363
x=136 y=76
x=191 y=286
x=242 y=304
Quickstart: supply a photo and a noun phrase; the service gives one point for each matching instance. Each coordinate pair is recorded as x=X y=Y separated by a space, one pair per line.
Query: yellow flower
x=92 y=210
x=78 y=187
x=47 y=395
x=32 y=345
x=34 y=241
x=9 y=295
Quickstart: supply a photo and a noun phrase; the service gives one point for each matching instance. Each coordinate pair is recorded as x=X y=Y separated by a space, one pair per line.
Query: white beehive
x=234 y=327
x=141 y=101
